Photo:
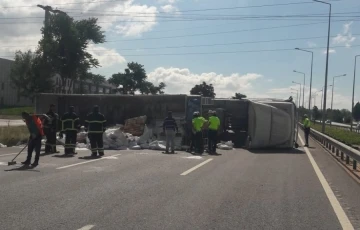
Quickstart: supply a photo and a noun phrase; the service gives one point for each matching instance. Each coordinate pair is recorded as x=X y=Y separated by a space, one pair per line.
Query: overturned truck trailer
x=271 y=124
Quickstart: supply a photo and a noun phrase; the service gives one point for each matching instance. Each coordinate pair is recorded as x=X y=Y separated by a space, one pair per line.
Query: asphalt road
x=149 y=190
x=6 y=122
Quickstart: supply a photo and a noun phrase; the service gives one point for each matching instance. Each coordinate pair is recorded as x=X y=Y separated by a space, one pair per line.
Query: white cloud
x=169 y=8
x=106 y=57
x=331 y=51
x=311 y=44
x=167 y=1
x=180 y=81
x=345 y=38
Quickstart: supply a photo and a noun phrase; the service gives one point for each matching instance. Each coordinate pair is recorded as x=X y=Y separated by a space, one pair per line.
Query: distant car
x=328 y=122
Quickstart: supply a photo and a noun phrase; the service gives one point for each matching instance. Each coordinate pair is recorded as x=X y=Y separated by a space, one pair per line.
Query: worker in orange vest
x=35 y=128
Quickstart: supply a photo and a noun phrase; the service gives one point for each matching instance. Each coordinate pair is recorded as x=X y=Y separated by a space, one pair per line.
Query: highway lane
x=145 y=190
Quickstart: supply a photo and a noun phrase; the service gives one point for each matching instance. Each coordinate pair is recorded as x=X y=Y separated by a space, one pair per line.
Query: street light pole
x=299 y=90
x=327 y=66
x=312 y=63
x=353 y=93
x=332 y=93
x=303 y=96
x=297 y=95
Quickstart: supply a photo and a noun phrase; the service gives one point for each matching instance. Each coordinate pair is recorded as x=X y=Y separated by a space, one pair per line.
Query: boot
x=101 y=154
x=36 y=163
x=27 y=162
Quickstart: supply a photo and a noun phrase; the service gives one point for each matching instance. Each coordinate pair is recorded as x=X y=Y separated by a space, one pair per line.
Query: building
x=86 y=87
x=9 y=96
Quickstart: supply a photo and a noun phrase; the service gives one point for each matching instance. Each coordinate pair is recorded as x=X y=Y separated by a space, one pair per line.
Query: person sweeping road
x=35 y=128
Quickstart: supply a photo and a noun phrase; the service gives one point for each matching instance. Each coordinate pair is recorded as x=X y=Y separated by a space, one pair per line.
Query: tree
x=346 y=114
x=64 y=45
x=337 y=116
x=204 y=90
x=134 y=79
x=316 y=113
x=30 y=75
x=239 y=96
x=97 y=80
x=356 y=112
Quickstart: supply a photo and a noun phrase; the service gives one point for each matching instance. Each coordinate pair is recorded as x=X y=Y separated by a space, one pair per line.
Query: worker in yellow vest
x=214 y=125
x=306 y=124
x=197 y=125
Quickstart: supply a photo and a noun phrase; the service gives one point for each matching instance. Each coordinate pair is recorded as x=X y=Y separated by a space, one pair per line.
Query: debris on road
x=135 y=126
x=2 y=146
x=225 y=145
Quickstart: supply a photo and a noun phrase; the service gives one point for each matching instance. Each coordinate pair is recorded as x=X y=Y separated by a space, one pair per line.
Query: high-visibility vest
x=214 y=123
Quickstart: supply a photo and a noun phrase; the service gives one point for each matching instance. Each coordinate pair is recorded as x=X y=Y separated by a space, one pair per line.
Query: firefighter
x=96 y=124
x=69 y=125
x=35 y=128
x=306 y=124
x=197 y=124
x=50 y=128
x=214 y=124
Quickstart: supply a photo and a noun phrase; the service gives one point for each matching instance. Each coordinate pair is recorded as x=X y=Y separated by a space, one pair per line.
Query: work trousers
x=170 y=140
x=97 y=143
x=197 y=142
x=70 y=141
x=307 y=133
x=34 y=144
x=50 y=145
x=212 y=141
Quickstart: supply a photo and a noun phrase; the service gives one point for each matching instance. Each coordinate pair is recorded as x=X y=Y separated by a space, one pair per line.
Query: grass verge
x=11 y=135
x=342 y=135
x=14 y=113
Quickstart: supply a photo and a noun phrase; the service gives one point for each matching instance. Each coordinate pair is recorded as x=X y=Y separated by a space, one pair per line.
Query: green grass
x=15 y=112
x=11 y=135
x=345 y=136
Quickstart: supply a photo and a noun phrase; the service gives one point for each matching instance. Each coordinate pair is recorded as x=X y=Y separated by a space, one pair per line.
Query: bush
x=11 y=135
x=342 y=135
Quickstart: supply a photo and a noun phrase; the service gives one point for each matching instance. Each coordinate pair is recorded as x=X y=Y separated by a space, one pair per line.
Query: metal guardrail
x=336 y=147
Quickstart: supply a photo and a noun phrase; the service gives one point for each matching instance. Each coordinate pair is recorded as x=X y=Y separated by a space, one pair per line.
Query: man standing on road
x=96 y=125
x=50 y=128
x=70 y=125
x=169 y=128
x=35 y=128
x=306 y=124
x=214 y=124
x=197 y=123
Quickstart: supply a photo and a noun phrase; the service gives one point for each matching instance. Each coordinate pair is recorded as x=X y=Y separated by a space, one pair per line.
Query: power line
x=62 y=4
x=208 y=45
x=225 y=8
x=224 y=32
x=214 y=33
x=220 y=52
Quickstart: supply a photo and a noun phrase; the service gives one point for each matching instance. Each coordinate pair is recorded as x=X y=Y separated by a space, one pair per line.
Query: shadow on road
x=88 y=158
x=63 y=156
x=276 y=151
x=22 y=168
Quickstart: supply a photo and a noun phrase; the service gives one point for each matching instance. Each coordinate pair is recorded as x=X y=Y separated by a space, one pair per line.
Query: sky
x=244 y=46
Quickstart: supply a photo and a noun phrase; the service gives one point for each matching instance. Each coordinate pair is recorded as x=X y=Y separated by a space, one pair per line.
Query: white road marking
x=87 y=227
x=339 y=211
x=86 y=162
x=194 y=157
x=3 y=163
x=196 y=167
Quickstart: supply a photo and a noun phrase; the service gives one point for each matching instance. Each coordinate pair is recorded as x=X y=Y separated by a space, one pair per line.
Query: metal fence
x=346 y=153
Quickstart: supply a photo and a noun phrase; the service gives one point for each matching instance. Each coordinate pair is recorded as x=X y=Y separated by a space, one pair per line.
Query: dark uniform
x=70 y=124
x=50 y=128
x=96 y=124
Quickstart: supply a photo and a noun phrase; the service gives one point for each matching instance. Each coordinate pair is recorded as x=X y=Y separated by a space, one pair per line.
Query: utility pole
x=353 y=94
x=327 y=67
